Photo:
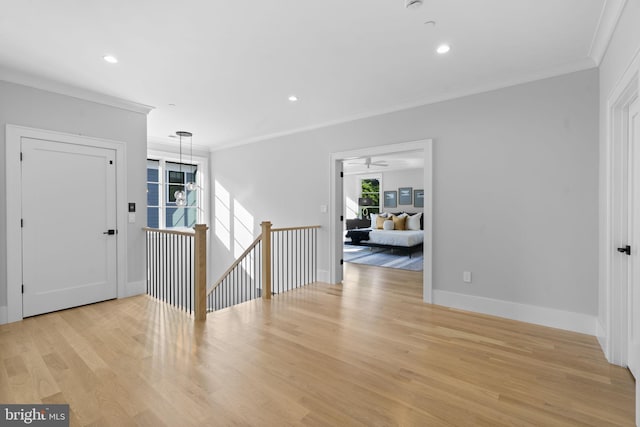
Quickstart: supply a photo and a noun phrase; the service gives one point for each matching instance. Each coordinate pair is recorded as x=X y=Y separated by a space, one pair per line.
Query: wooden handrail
x=306 y=227
x=266 y=259
x=165 y=231
x=235 y=264
x=200 y=276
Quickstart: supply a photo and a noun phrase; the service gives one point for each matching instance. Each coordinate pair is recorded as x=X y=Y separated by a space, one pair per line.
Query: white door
x=633 y=357
x=68 y=208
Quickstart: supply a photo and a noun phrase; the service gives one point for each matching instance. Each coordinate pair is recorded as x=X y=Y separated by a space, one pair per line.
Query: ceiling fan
x=368 y=163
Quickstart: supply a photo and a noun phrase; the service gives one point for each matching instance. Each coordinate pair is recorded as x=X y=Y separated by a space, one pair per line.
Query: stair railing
x=278 y=260
x=177 y=268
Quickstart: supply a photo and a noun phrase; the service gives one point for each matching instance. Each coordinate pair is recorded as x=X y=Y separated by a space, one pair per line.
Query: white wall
x=623 y=47
x=393 y=180
x=25 y=106
x=515 y=187
x=390 y=181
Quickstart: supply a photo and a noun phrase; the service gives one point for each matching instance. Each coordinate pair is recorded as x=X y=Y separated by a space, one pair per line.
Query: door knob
x=110 y=232
x=625 y=250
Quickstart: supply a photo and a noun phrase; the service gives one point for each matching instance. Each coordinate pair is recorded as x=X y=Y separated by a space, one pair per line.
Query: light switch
x=466 y=277
x=323 y=208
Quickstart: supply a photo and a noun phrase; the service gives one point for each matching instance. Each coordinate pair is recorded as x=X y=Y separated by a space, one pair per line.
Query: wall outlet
x=466 y=277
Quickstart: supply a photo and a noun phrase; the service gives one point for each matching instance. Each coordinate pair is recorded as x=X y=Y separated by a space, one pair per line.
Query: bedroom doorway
x=367 y=156
x=371 y=186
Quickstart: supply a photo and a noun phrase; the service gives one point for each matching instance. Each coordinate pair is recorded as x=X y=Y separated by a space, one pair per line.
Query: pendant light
x=191 y=185
x=180 y=195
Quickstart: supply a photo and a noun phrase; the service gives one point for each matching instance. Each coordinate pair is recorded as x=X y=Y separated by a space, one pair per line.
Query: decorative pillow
x=413 y=222
x=374 y=219
x=380 y=222
x=387 y=225
x=399 y=222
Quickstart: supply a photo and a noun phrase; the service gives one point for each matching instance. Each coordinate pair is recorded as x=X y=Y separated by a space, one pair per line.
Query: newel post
x=266 y=259
x=200 y=276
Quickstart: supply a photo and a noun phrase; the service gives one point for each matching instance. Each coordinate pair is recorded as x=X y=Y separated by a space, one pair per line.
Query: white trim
x=601 y=334
x=335 y=236
x=3 y=314
x=135 y=288
x=616 y=293
x=37 y=82
x=607 y=23
x=637 y=403
x=170 y=153
x=323 y=276
x=370 y=175
x=567 y=320
x=625 y=78
x=14 y=135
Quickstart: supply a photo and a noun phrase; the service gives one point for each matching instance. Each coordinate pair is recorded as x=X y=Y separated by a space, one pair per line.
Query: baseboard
x=637 y=403
x=135 y=288
x=3 y=315
x=603 y=339
x=567 y=320
x=323 y=276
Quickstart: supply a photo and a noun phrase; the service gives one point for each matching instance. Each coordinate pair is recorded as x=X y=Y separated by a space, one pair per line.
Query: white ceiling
x=229 y=66
x=384 y=163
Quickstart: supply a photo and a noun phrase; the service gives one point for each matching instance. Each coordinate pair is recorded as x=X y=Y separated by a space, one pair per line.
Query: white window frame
x=377 y=176
x=201 y=162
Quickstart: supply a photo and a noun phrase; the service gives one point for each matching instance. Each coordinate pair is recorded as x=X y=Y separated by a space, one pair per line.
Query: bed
x=403 y=240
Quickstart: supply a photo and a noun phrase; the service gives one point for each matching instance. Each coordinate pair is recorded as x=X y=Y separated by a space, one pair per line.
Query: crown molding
x=25 y=79
x=568 y=68
x=609 y=17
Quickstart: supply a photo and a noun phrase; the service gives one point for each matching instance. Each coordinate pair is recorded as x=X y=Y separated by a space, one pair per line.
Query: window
x=164 y=178
x=369 y=196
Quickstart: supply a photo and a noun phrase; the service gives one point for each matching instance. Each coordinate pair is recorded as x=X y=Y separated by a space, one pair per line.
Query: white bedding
x=405 y=238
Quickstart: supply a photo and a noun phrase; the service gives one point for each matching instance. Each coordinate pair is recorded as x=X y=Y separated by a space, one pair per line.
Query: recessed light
x=293 y=98
x=110 y=59
x=412 y=4
x=443 y=48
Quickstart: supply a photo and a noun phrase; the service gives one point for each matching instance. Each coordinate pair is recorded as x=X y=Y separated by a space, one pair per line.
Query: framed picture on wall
x=405 y=195
x=418 y=198
x=390 y=199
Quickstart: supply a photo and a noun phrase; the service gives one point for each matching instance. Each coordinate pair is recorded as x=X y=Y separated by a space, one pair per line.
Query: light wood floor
x=365 y=353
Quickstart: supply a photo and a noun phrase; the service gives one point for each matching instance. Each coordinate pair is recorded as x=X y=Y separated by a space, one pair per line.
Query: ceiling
x=224 y=69
x=384 y=163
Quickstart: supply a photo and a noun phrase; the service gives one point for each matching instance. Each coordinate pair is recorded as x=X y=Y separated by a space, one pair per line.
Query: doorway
x=107 y=278
x=618 y=327
x=424 y=147
x=372 y=186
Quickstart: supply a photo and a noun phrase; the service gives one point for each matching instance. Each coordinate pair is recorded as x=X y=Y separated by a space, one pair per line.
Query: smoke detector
x=412 y=4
